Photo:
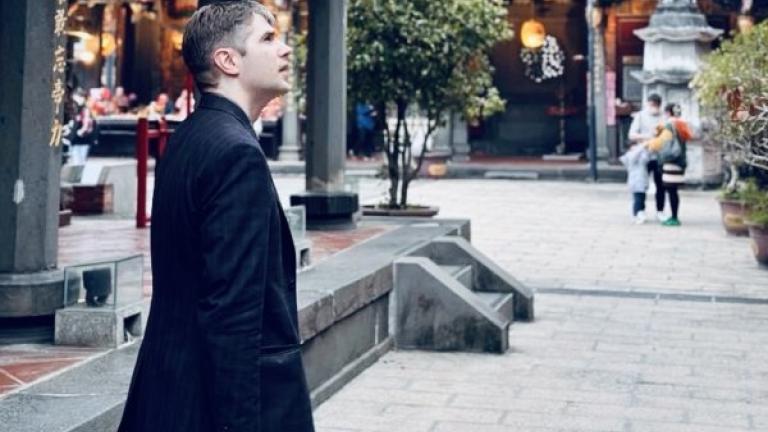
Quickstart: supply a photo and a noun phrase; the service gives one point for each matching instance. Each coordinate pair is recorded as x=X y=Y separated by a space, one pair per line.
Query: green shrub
x=732 y=87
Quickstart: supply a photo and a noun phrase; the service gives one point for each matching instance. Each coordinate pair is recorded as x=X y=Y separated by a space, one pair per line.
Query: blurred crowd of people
x=103 y=102
x=85 y=107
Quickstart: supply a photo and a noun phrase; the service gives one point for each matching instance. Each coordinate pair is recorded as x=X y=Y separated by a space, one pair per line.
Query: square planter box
x=93 y=199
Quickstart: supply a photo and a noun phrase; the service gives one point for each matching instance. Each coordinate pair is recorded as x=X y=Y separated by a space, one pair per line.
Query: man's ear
x=227 y=61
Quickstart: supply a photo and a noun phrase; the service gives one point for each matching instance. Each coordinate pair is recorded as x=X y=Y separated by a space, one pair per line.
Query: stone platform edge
x=343 y=307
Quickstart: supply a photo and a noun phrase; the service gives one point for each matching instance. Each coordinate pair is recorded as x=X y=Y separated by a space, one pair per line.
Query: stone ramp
x=485 y=274
x=435 y=311
x=451 y=297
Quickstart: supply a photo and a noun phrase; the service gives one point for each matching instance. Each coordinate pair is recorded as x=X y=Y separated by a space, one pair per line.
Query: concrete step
x=463 y=274
x=454 y=254
x=435 y=311
x=503 y=303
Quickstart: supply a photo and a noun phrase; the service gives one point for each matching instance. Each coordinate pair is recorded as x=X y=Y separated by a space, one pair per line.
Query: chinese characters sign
x=59 y=68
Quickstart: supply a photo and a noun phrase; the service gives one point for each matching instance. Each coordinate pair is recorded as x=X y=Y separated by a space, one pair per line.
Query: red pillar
x=142 y=154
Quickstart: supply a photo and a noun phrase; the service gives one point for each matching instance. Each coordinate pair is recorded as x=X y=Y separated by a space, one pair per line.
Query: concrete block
x=71 y=173
x=487 y=275
x=303 y=252
x=106 y=326
x=93 y=199
x=122 y=176
x=297 y=221
x=117 y=176
x=436 y=312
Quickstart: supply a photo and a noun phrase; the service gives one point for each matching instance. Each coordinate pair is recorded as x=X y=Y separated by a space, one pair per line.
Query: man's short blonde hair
x=218 y=25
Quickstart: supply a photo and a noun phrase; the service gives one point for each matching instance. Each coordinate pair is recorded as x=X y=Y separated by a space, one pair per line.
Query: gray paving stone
x=516 y=404
x=360 y=393
x=521 y=421
x=470 y=427
x=718 y=418
x=468 y=389
x=590 y=362
x=576 y=396
x=646 y=426
x=472 y=415
x=631 y=413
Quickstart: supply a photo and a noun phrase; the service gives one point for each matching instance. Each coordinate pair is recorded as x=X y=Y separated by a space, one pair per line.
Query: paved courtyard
x=639 y=328
x=578 y=235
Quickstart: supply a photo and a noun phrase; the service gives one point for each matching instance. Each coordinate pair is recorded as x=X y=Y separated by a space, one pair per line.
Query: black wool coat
x=221 y=347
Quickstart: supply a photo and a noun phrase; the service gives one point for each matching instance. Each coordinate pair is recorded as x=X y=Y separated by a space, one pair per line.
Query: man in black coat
x=221 y=349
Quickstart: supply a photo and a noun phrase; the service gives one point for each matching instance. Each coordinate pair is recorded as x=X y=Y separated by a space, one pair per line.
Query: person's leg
x=656 y=166
x=357 y=147
x=638 y=203
x=635 y=203
x=674 y=199
x=638 y=207
x=369 y=150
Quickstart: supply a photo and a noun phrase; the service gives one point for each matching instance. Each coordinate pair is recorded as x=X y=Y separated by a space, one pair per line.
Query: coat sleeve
x=235 y=213
x=657 y=143
x=634 y=128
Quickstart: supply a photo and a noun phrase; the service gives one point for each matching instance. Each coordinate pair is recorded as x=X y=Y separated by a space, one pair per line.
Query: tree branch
x=420 y=161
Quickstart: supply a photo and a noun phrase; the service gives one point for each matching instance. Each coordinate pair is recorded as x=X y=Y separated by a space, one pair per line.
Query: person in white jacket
x=636 y=161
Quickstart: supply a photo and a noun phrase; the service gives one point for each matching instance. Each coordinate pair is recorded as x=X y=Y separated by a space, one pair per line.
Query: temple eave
x=677 y=77
x=679 y=34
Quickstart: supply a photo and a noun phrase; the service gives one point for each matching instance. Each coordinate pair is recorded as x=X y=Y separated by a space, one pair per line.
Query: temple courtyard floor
x=638 y=327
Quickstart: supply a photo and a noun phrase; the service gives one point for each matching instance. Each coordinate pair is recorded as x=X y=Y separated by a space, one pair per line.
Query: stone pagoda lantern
x=675 y=40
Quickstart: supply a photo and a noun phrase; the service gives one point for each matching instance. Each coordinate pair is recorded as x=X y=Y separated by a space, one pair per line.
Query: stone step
x=463 y=274
x=503 y=303
x=453 y=253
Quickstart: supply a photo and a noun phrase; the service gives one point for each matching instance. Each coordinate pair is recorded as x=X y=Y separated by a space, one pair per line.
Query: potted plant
x=416 y=63
x=733 y=92
x=757 y=222
x=733 y=207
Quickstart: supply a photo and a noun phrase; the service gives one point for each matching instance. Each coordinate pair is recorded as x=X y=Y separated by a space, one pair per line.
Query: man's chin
x=282 y=88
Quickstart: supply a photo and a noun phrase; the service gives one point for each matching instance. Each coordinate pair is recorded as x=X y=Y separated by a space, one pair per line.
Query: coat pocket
x=285 y=396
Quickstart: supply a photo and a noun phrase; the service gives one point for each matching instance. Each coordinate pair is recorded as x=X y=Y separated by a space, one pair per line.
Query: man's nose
x=285 y=50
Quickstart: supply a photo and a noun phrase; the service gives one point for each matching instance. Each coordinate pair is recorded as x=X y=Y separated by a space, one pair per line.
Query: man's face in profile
x=266 y=65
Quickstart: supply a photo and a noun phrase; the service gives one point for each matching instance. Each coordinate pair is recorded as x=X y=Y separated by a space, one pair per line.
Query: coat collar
x=220 y=103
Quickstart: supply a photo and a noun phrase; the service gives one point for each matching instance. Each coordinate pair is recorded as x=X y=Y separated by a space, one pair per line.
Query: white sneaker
x=661 y=217
x=640 y=218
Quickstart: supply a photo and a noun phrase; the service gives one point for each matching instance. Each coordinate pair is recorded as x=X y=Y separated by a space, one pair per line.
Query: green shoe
x=671 y=222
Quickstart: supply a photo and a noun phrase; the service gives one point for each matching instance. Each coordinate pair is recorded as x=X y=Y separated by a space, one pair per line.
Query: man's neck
x=251 y=105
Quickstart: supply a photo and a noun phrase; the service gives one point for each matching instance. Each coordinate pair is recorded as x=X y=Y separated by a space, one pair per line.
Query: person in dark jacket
x=221 y=351
x=670 y=146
